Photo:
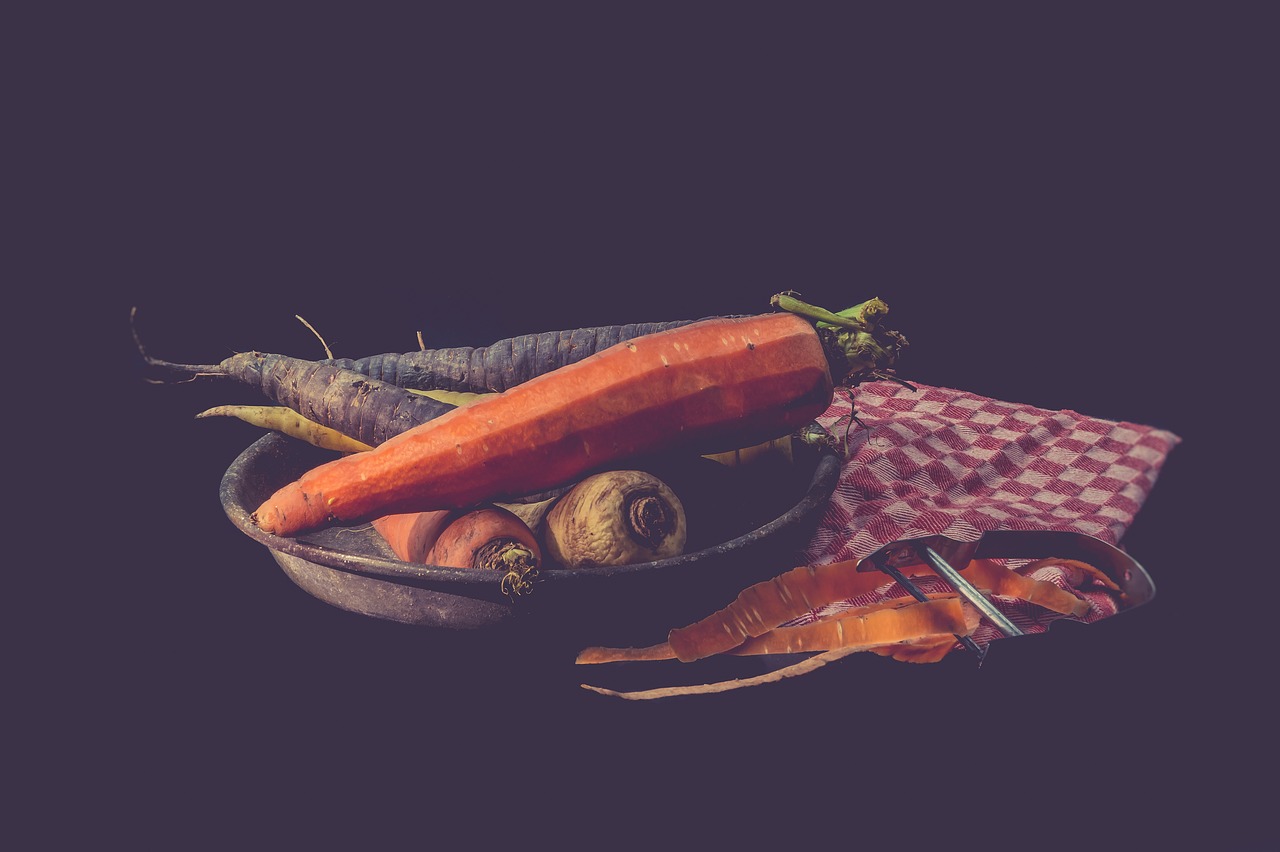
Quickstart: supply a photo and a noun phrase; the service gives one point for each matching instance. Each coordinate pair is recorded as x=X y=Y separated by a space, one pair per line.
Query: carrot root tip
x=517 y=582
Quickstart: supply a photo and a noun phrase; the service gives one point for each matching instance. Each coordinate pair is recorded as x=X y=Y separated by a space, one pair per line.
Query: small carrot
x=482 y=538
x=411 y=535
x=362 y=408
x=280 y=418
x=706 y=387
x=490 y=538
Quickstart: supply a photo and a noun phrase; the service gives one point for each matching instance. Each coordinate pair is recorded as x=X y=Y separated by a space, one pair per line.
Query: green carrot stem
x=868 y=312
x=856 y=345
x=859 y=317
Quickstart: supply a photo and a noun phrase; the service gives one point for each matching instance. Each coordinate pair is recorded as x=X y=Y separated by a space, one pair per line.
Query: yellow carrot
x=279 y=418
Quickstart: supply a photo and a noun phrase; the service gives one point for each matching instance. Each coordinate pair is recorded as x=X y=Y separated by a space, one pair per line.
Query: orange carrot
x=706 y=387
x=412 y=534
x=484 y=538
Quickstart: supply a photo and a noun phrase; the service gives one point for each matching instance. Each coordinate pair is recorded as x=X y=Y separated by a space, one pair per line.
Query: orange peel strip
x=763 y=606
x=751 y=624
x=860 y=624
x=882 y=624
x=600 y=654
x=1000 y=580
x=917 y=622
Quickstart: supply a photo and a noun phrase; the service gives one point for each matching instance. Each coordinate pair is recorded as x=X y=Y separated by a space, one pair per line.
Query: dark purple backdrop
x=1056 y=206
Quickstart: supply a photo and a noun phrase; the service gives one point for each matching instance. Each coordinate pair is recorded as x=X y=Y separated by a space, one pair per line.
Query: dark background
x=1061 y=208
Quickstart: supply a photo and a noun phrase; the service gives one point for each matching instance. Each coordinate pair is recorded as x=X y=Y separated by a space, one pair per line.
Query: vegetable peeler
x=947 y=557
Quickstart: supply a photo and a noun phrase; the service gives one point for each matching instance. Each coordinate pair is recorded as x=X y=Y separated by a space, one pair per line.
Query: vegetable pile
x=525 y=453
x=538 y=453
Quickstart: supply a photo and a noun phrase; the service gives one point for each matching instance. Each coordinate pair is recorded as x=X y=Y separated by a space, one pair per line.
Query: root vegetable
x=365 y=409
x=411 y=535
x=285 y=420
x=490 y=538
x=482 y=538
x=617 y=517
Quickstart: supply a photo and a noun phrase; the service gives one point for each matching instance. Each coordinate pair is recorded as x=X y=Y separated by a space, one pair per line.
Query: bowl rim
x=821 y=486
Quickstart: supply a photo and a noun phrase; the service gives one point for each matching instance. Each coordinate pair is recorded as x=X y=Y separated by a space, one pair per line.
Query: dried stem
x=328 y=353
x=190 y=371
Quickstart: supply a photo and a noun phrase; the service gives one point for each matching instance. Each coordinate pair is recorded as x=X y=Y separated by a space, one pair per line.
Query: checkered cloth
x=937 y=461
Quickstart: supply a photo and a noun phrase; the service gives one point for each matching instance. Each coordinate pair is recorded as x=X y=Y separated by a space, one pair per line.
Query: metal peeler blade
x=1133 y=580
x=915 y=592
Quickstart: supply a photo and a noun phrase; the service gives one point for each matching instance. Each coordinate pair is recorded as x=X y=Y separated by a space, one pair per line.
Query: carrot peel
x=891 y=621
x=765 y=619
x=888 y=623
x=930 y=624
x=1000 y=580
x=768 y=604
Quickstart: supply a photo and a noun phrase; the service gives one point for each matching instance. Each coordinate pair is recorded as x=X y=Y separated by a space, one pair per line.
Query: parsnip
x=618 y=517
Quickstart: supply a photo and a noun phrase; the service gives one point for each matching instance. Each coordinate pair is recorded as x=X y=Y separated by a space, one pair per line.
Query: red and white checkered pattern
x=937 y=461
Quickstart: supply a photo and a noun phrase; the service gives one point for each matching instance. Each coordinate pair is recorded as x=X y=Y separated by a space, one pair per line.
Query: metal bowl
x=746 y=524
